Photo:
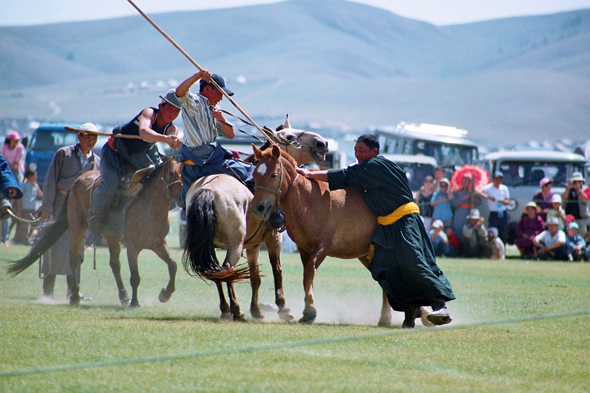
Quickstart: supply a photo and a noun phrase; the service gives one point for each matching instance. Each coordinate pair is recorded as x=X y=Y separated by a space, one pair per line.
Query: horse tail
x=199 y=257
x=49 y=234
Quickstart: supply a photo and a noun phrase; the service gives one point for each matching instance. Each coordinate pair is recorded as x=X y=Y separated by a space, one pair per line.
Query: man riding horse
x=120 y=155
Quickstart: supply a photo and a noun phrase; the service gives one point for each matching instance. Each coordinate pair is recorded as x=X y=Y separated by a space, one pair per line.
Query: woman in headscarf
x=529 y=226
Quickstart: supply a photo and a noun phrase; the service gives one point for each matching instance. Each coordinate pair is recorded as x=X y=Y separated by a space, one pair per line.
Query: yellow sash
x=401 y=211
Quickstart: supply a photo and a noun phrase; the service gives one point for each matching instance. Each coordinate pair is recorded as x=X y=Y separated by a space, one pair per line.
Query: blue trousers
x=501 y=223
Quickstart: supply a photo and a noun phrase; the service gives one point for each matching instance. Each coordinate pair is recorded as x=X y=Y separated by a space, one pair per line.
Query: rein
x=165 y=182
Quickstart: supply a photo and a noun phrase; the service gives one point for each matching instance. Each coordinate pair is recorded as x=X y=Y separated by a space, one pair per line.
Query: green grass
x=470 y=355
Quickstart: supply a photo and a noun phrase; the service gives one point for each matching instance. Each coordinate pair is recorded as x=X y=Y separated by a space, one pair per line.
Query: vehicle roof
x=535 y=155
x=411 y=158
x=429 y=132
x=58 y=126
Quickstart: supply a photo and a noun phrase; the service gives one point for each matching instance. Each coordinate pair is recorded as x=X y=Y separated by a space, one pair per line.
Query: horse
x=146 y=226
x=321 y=222
x=218 y=214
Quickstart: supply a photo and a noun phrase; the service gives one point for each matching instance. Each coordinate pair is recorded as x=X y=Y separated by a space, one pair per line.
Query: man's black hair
x=370 y=140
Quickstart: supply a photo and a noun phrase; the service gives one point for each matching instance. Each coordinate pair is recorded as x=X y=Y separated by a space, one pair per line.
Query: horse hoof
x=74 y=301
x=257 y=315
x=308 y=318
x=384 y=323
x=285 y=315
x=240 y=318
x=126 y=302
x=164 y=296
x=134 y=305
x=225 y=316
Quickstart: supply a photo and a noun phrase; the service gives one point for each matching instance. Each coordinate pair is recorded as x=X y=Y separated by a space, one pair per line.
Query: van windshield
x=518 y=173
x=47 y=140
x=446 y=154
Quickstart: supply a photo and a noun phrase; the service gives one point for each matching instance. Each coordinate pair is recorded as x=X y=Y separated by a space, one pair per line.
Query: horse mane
x=284 y=154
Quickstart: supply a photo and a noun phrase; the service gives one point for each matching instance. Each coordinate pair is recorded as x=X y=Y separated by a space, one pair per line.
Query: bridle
x=166 y=184
x=277 y=192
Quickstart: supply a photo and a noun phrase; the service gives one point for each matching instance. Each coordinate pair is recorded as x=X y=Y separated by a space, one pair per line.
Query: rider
x=203 y=121
x=152 y=125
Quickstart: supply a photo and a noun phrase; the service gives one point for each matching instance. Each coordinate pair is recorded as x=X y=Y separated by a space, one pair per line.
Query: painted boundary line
x=285 y=345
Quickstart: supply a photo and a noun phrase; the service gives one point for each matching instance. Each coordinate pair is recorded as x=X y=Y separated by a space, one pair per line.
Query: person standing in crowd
x=67 y=165
x=557 y=211
x=462 y=205
x=439 y=174
x=439 y=239
x=495 y=246
x=551 y=242
x=543 y=197
x=587 y=248
x=529 y=226
x=498 y=198
x=441 y=202
x=9 y=189
x=14 y=153
x=574 y=243
x=423 y=198
x=475 y=237
x=31 y=192
x=576 y=201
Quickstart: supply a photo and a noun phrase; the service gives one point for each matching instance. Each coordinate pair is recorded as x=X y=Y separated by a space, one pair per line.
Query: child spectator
x=439 y=240
x=475 y=237
x=587 y=250
x=551 y=242
x=529 y=226
x=557 y=211
x=441 y=202
x=31 y=192
x=454 y=245
x=569 y=219
x=495 y=245
x=574 y=243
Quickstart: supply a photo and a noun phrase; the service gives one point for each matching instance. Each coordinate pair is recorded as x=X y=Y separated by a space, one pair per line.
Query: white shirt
x=496 y=193
x=200 y=127
x=548 y=240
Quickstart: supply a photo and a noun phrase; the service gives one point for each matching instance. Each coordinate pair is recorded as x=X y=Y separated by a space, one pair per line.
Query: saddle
x=131 y=186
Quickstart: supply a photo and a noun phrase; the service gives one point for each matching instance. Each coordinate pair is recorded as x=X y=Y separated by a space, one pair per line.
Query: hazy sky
x=439 y=12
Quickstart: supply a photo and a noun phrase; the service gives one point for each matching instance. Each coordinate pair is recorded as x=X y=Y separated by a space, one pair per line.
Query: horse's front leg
x=274 y=243
x=132 y=256
x=161 y=250
x=253 y=254
x=385 y=319
x=234 y=306
x=115 y=263
x=310 y=264
x=223 y=306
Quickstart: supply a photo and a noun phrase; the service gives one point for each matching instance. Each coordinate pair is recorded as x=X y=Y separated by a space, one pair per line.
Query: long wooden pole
x=78 y=131
x=200 y=69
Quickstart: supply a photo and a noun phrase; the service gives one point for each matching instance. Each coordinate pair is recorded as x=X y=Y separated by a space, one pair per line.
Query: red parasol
x=481 y=176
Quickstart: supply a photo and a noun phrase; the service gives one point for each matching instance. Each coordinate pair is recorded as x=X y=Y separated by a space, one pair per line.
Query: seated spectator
x=423 y=198
x=569 y=219
x=475 y=237
x=441 y=202
x=557 y=211
x=529 y=226
x=574 y=243
x=587 y=249
x=439 y=240
x=550 y=243
x=454 y=246
x=543 y=197
x=495 y=245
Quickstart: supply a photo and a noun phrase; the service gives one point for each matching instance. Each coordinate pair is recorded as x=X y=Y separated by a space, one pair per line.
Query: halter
x=278 y=212
x=277 y=192
x=167 y=185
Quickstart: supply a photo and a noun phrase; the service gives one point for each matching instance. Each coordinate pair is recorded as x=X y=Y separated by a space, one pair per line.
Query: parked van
x=417 y=167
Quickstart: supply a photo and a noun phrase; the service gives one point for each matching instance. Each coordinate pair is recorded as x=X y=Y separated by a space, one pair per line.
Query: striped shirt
x=200 y=127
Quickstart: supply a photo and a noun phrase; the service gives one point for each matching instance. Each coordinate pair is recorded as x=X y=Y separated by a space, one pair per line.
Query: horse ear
x=257 y=152
x=287 y=124
x=276 y=152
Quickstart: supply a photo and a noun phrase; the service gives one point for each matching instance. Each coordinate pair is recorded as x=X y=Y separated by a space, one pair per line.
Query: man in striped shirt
x=200 y=154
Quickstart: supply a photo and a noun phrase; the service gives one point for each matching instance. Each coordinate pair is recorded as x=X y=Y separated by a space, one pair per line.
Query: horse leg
x=161 y=250
x=115 y=264
x=309 y=269
x=234 y=305
x=76 y=259
x=253 y=253
x=385 y=319
x=274 y=246
x=132 y=255
x=223 y=306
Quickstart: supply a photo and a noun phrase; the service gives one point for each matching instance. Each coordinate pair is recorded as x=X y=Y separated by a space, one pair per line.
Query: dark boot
x=411 y=313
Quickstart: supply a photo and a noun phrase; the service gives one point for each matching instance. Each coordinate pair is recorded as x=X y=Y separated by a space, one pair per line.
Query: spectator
x=576 y=201
x=513 y=178
x=529 y=226
x=441 y=202
x=31 y=192
x=556 y=211
x=495 y=245
x=454 y=244
x=543 y=197
x=574 y=243
x=498 y=198
x=587 y=249
x=475 y=241
x=462 y=205
x=568 y=219
x=439 y=239
x=14 y=153
x=551 y=242
x=439 y=174
x=423 y=198
x=9 y=189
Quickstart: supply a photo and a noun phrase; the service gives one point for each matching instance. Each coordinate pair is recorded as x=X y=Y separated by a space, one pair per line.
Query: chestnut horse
x=146 y=227
x=218 y=215
x=320 y=221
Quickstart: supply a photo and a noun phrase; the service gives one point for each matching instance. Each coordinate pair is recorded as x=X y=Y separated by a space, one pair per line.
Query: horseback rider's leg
x=103 y=196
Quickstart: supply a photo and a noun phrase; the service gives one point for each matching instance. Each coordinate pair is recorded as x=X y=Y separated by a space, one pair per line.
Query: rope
x=286 y=345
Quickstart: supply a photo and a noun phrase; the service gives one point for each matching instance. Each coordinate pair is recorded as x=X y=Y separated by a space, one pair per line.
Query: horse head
x=170 y=178
x=275 y=171
x=304 y=146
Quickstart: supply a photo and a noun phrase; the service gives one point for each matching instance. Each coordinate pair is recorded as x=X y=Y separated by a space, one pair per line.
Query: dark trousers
x=501 y=224
x=49 y=283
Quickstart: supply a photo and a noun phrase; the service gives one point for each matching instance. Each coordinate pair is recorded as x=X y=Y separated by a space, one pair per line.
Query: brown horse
x=218 y=215
x=320 y=221
x=146 y=227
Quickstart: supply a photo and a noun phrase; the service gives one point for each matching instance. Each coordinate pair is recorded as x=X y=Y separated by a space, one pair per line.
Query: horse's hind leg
x=234 y=306
x=76 y=259
x=223 y=306
x=115 y=264
x=274 y=246
x=161 y=250
x=132 y=255
x=253 y=253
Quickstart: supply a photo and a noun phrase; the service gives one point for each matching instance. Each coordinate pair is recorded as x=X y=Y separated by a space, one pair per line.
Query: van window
x=531 y=173
x=52 y=140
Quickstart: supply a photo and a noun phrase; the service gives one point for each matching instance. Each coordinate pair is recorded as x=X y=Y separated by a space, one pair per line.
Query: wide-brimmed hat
x=556 y=198
x=533 y=205
x=577 y=176
x=552 y=221
x=437 y=224
x=544 y=181
x=13 y=135
x=473 y=214
x=171 y=99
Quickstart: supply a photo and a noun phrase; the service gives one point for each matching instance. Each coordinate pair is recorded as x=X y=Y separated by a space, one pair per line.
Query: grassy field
x=499 y=339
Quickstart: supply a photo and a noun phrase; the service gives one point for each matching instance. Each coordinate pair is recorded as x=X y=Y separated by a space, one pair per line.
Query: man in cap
x=67 y=165
x=575 y=201
x=551 y=242
x=120 y=154
x=498 y=198
x=574 y=243
x=474 y=243
x=203 y=121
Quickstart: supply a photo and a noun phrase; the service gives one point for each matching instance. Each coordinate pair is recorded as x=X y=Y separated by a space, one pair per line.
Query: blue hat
x=573 y=225
x=219 y=80
x=498 y=174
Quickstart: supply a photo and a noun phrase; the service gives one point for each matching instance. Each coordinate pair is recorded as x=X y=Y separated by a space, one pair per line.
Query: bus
x=449 y=146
